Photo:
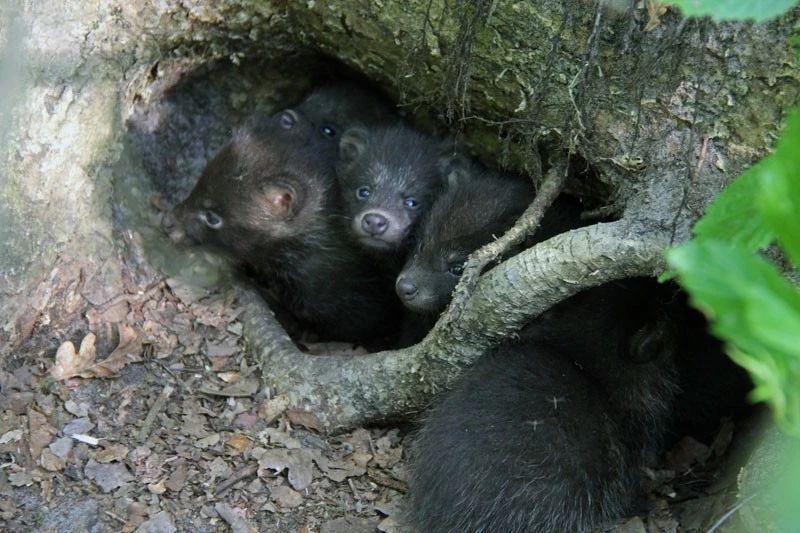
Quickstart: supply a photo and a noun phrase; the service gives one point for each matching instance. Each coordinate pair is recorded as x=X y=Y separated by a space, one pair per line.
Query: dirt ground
x=153 y=420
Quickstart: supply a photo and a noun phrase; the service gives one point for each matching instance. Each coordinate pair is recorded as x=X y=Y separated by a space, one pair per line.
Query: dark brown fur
x=274 y=192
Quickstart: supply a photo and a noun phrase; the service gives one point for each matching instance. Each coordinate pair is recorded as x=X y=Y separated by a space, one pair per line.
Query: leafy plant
x=753 y=307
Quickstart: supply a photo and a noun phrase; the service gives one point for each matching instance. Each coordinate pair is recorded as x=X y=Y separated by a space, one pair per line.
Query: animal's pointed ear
x=654 y=340
x=352 y=144
x=454 y=164
x=288 y=119
x=277 y=201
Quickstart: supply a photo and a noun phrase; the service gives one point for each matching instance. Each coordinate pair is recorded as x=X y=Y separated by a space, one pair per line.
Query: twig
x=353 y=489
x=156 y=408
x=130 y=298
x=385 y=481
x=724 y=518
x=243 y=473
x=116 y=517
x=700 y=160
x=548 y=191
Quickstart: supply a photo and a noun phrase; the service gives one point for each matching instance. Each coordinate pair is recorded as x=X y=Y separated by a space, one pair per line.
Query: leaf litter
x=148 y=419
x=152 y=423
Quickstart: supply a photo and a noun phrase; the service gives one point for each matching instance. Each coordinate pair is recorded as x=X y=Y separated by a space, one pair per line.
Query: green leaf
x=794 y=42
x=755 y=310
x=779 y=184
x=734 y=216
x=759 y=11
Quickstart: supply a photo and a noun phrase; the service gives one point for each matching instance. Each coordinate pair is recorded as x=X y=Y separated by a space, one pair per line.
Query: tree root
x=550 y=188
x=346 y=391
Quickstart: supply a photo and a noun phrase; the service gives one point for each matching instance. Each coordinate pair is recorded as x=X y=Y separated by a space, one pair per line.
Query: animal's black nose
x=405 y=289
x=374 y=224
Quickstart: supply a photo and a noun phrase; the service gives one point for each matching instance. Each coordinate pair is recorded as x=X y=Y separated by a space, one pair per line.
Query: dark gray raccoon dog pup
x=269 y=199
x=476 y=207
x=390 y=177
x=336 y=106
x=548 y=433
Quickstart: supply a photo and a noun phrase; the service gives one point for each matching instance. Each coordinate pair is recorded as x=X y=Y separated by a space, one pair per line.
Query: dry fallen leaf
x=286 y=497
x=107 y=476
x=208 y=441
x=633 y=525
x=20 y=478
x=111 y=453
x=69 y=363
x=129 y=350
x=655 y=10
x=229 y=377
x=387 y=455
x=235 y=518
x=277 y=437
x=40 y=432
x=50 y=461
x=11 y=436
x=349 y=524
x=238 y=442
x=686 y=453
x=240 y=389
x=296 y=462
x=177 y=480
x=352 y=466
x=301 y=417
x=157 y=488
x=273 y=408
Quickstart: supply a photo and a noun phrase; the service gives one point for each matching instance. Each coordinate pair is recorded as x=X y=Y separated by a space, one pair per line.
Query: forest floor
x=153 y=420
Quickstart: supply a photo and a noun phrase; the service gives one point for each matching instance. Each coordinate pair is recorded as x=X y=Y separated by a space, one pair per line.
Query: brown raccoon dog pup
x=269 y=199
x=476 y=207
x=389 y=177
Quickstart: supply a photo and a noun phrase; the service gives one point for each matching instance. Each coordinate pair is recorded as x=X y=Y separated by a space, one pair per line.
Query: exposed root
x=548 y=191
x=345 y=391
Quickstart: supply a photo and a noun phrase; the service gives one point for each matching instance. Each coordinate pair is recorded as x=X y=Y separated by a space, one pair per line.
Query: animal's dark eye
x=456 y=270
x=211 y=219
x=328 y=131
x=363 y=192
x=287 y=121
x=411 y=203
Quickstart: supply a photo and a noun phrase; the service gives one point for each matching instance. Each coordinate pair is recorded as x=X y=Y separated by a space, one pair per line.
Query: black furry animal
x=269 y=199
x=476 y=207
x=336 y=106
x=548 y=433
x=390 y=177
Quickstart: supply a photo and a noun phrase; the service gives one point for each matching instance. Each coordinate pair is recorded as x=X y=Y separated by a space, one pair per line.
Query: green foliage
x=735 y=217
x=779 y=200
x=757 y=10
x=753 y=307
x=755 y=310
x=794 y=42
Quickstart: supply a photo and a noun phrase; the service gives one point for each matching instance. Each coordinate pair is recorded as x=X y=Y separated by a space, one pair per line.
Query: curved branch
x=343 y=391
x=526 y=225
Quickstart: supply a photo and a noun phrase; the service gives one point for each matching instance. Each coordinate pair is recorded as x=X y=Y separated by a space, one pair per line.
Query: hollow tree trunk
x=665 y=118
